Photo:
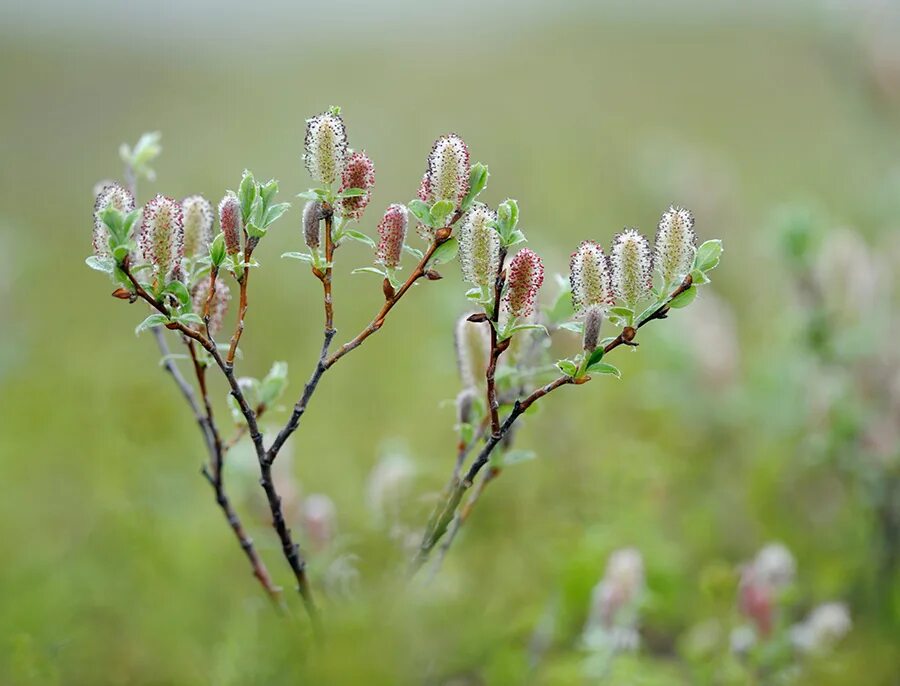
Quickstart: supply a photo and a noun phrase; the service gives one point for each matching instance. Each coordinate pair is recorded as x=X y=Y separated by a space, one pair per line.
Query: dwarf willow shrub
x=188 y=265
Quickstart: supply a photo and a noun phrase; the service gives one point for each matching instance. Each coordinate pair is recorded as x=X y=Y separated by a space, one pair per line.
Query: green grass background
x=117 y=567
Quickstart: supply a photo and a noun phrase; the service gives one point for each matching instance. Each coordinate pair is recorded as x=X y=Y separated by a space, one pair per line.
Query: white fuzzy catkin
x=631 y=263
x=589 y=277
x=479 y=246
x=110 y=195
x=326 y=147
x=198 y=221
x=675 y=244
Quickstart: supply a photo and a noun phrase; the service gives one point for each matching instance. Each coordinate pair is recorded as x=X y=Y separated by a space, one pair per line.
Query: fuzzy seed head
x=473 y=350
x=198 y=221
x=359 y=172
x=218 y=306
x=447 y=174
x=526 y=274
x=391 y=235
x=632 y=266
x=589 y=277
x=675 y=244
x=162 y=235
x=231 y=222
x=111 y=195
x=593 y=318
x=479 y=246
x=312 y=218
x=326 y=147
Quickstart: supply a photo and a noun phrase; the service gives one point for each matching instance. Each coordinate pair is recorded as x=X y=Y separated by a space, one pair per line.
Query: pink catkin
x=359 y=172
x=391 y=235
x=231 y=222
x=525 y=276
x=162 y=234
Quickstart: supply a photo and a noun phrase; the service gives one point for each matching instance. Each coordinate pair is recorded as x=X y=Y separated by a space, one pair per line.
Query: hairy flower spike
x=631 y=267
x=162 y=235
x=312 y=219
x=217 y=307
x=198 y=221
x=589 y=277
x=231 y=222
x=447 y=174
x=111 y=195
x=391 y=235
x=675 y=244
x=593 y=318
x=359 y=172
x=526 y=274
x=479 y=246
x=326 y=147
x=473 y=350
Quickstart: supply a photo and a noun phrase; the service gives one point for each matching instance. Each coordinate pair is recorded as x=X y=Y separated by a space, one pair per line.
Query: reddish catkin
x=526 y=274
x=359 y=172
x=391 y=236
x=231 y=222
x=162 y=235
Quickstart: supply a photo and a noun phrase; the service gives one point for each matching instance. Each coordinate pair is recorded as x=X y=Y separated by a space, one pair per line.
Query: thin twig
x=496 y=348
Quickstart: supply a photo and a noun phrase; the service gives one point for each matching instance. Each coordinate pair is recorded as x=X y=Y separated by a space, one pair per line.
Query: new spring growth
x=631 y=268
x=589 y=277
x=473 y=349
x=111 y=195
x=447 y=174
x=359 y=172
x=218 y=306
x=479 y=246
x=198 y=221
x=326 y=147
x=162 y=235
x=525 y=276
x=675 y=244
x=391 y=236
x=312 y=219
x=231 y=222
x=593 y=318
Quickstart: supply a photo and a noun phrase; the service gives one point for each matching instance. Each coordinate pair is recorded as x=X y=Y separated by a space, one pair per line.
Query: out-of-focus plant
x=848 y=292
x=168 y=255
x=766 y=643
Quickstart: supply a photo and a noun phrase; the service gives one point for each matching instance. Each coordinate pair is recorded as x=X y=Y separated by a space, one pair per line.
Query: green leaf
x=101 y=264
x=311 y=194
x=274 y=384
x=355 y=235
x=595 y=356
x=255 y=231
x=189 y=318
x=440 y=211
x=129 y=221
x=562 y=308
x=275 y=211
x=567 y=367
x=157 y=319
x=415 y=252
x=478 y=180
x=217 y=250
x=573 y=326
x=180 y=291
x=352 y=193
x=508 y=214
x=707 y=255
x=604 y=368
x=267 y=191
x=120 y=252
x=247 y=193
x=445 y=252
x=421 y=211
x=684 y=299
x=624 y=312
x=368 y=270
x=699 y=278
x=298 y=256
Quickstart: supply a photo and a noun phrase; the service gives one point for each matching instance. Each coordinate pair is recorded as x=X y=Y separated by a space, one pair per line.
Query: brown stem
x=242 y=309
x=291 y=550
x=213 y=274
x=496 y=349
x=326 y=276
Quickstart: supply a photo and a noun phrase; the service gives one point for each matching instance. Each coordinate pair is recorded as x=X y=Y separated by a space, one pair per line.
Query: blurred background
x=727 y=513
